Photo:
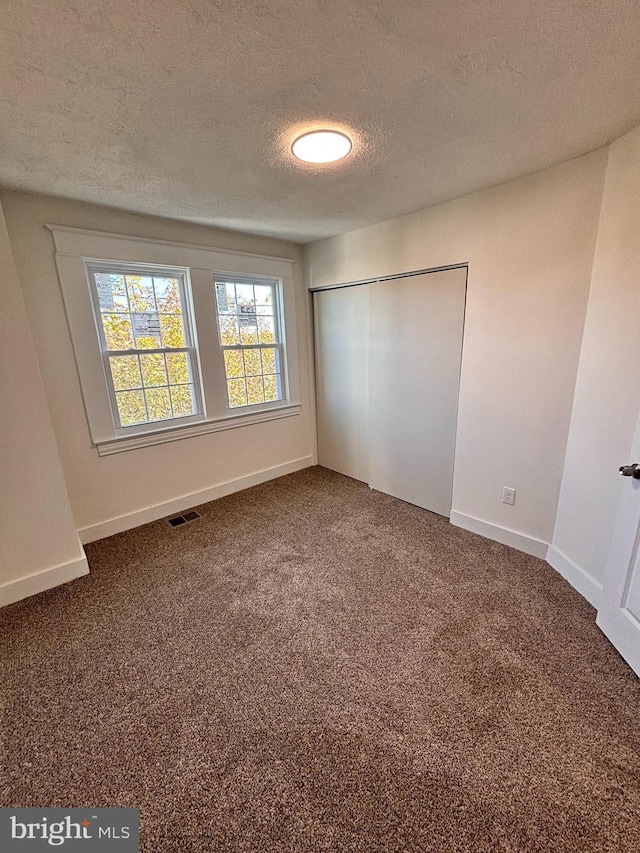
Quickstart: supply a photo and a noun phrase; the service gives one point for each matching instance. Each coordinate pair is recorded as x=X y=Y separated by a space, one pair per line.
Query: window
x=249 y=328
x=173 y=340
x=146 y=341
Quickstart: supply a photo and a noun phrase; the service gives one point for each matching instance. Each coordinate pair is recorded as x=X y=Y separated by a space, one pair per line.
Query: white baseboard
x=20 y=588
x=580 y=580
x=177 y=505
x=519 y=541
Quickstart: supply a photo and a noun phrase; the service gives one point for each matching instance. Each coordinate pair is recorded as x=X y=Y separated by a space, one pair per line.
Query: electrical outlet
x=508 y=496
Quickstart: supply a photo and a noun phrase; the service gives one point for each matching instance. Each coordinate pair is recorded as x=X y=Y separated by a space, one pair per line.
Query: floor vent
x=177 y=520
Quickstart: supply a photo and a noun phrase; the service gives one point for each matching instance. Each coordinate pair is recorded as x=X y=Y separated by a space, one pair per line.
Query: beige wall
x=105 y=488
x=39 y=546
x=529 y=245
x=607 y=396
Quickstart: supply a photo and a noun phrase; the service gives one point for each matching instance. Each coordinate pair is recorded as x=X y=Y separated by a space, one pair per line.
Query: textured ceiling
x=186 y=108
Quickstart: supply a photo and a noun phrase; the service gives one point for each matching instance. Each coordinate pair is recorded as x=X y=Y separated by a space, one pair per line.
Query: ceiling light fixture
x=321 y=146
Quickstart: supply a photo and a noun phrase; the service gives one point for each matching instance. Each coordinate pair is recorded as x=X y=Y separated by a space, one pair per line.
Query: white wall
x=529 y=245
x=114 y=492
x=39 y=546
x=607 y=395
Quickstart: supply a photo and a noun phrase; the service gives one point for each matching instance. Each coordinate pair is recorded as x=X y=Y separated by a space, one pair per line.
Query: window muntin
x=249 y=327
x=145 y=336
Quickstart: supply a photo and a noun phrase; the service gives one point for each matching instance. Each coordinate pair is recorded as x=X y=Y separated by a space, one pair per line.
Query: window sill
x=176 y=433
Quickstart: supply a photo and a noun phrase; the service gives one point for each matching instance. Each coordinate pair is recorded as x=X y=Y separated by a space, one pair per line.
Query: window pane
x=111 y=292
x=117 y=331
x=140 y=290
x=244 y=295
x=233 y=363
x=255 y=392
x=167 y=295
x=178 y=367
x=131 y=407
x=153 y=370
x=172 y=330
x=237 y=393
x=125 y=371
x=264 y=296
x=252 y=362
x=146 y=328
x=229 y=334
x=182 y=400
x=158 y=403
x=267 y=328
x=226 y=298
x=248 y=330
x=269 y=361
x=271 y=388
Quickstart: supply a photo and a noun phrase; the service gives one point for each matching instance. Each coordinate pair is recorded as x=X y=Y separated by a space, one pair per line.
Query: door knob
x=631 y=471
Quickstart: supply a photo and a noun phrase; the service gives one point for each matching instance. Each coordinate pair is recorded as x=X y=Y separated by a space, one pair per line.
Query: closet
x=388 y=356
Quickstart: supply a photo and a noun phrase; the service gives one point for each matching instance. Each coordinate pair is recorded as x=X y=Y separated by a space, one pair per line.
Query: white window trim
x=77 y=249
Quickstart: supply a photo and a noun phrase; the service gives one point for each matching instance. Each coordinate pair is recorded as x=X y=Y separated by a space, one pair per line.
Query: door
x=341 y=319
x=415 y=351
x=619 y=614
x=387 y=374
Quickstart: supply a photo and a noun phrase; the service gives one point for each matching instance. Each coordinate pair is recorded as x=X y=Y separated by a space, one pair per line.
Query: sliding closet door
x=342 y=379
x=415 y=350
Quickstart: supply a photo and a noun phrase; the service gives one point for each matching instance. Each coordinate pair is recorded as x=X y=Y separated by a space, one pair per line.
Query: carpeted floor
x=313 y=666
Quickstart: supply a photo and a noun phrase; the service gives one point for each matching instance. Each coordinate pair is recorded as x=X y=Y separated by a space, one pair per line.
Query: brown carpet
x=313 y=666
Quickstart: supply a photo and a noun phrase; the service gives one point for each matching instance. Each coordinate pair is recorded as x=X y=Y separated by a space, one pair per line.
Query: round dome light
x=321 y=146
